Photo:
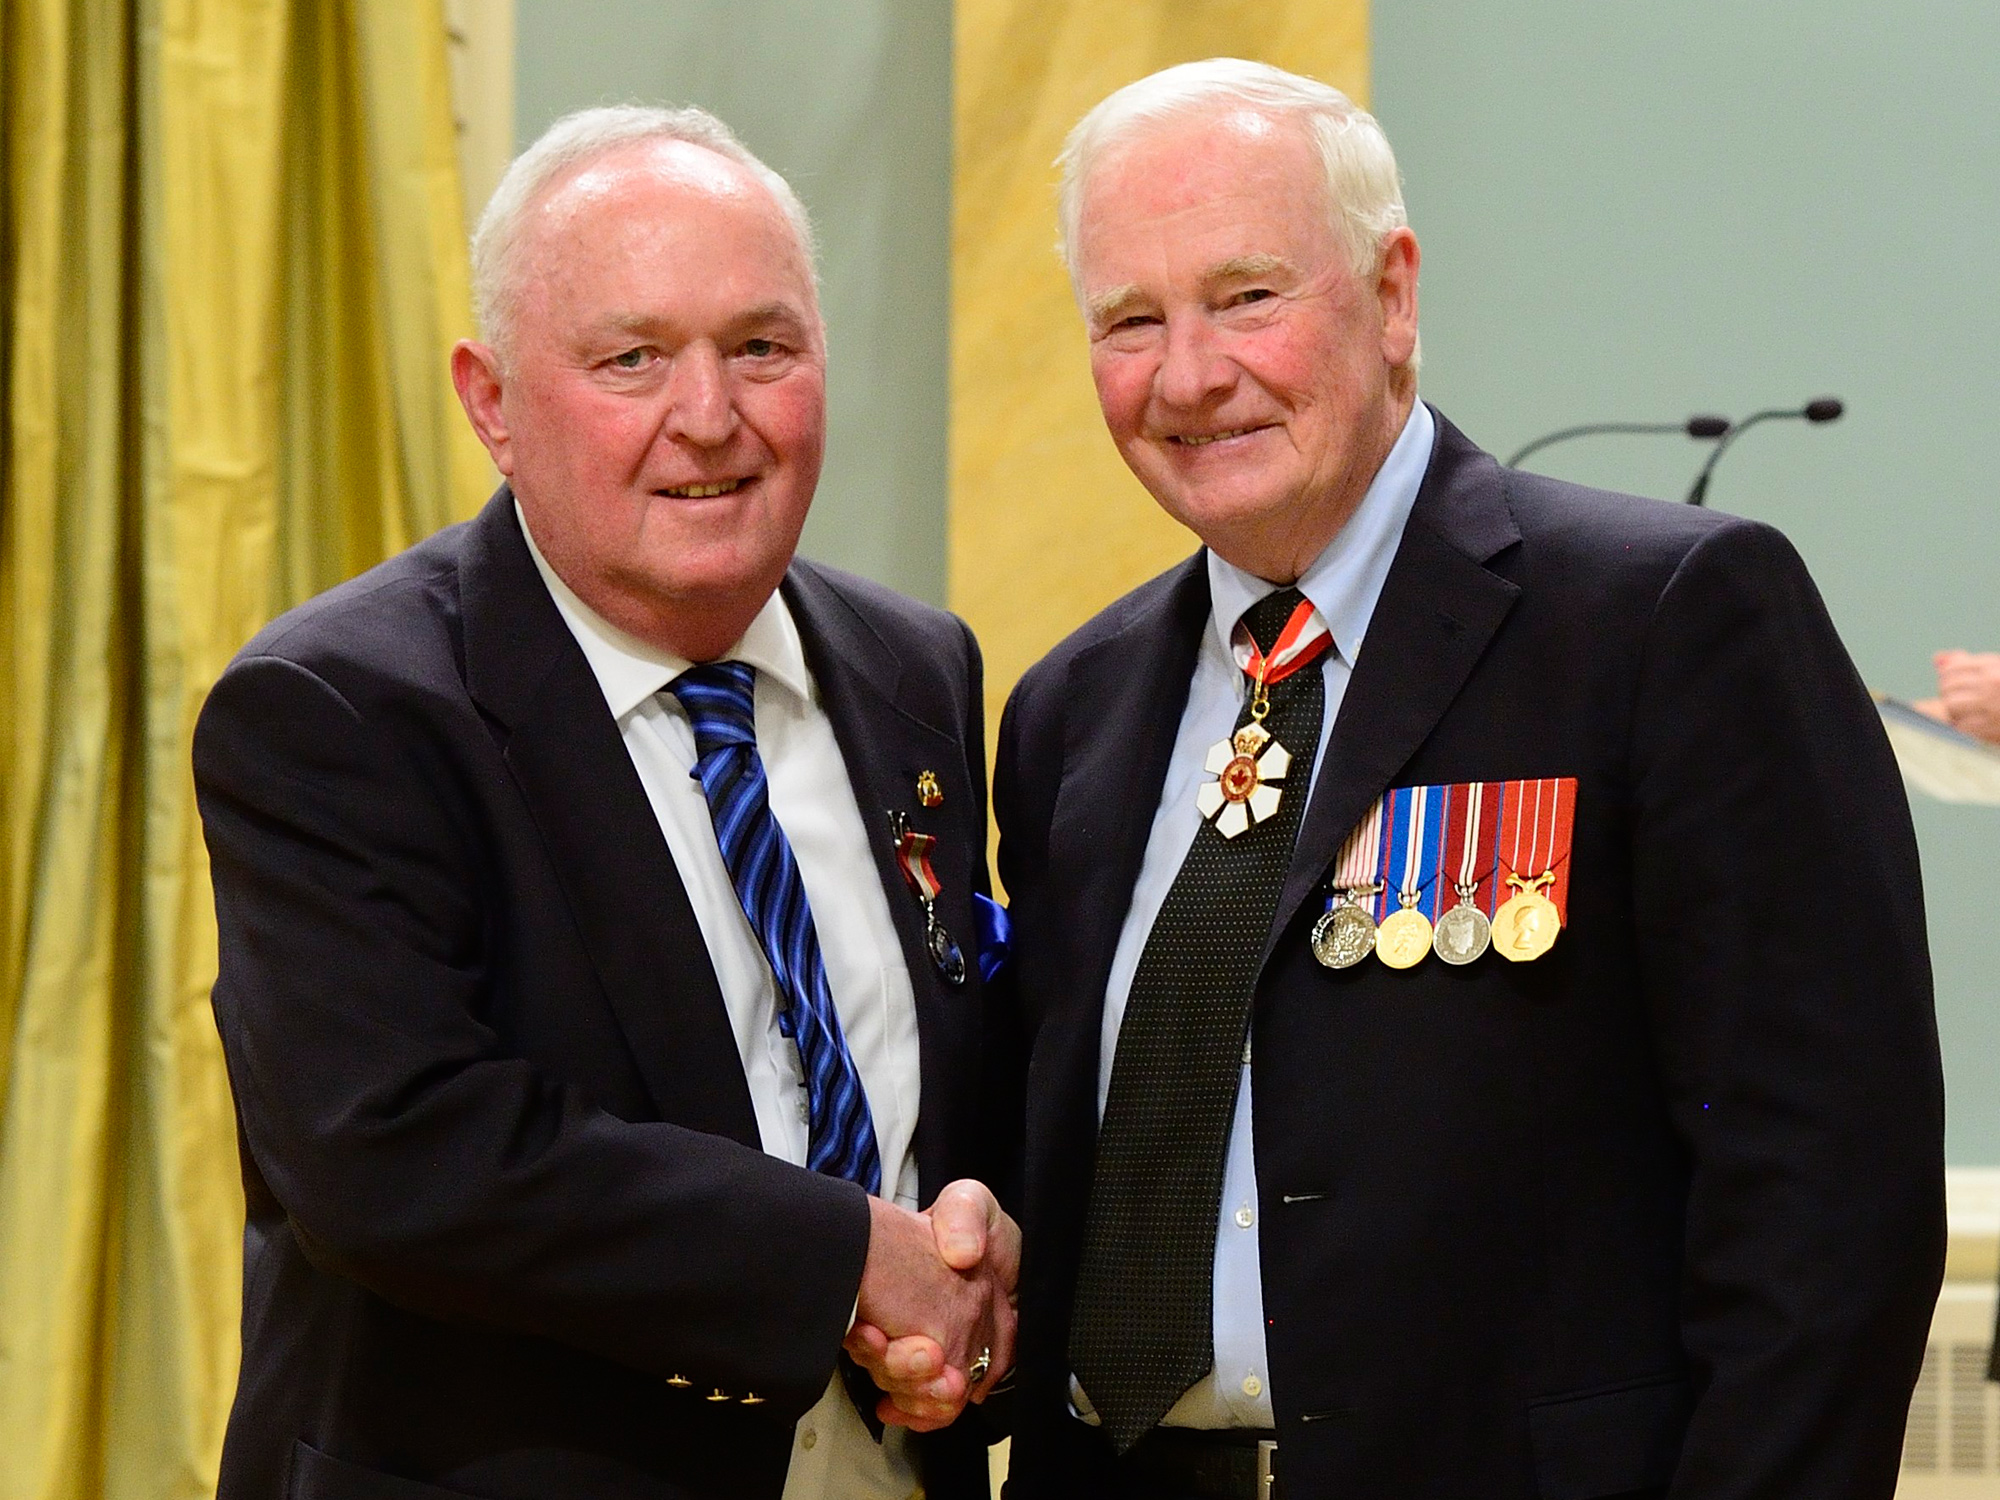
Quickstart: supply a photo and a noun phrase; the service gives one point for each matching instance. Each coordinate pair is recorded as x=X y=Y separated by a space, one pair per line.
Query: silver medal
x=1343 y=936
x=1462 y=935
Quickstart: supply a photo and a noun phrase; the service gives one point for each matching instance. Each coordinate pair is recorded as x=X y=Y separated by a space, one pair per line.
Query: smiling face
x=661 y=414
x=1251 y=380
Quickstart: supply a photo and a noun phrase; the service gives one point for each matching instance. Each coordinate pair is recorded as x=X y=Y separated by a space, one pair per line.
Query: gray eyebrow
x=1237 y=268
x=1248 y=265
x=1106 y=302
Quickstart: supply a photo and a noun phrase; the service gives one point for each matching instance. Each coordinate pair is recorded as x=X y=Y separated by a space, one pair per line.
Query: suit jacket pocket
x=1610 y=1441
x=317 y=1477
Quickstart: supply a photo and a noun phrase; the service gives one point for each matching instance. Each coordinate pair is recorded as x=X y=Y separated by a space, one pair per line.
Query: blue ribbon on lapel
x=993 y=936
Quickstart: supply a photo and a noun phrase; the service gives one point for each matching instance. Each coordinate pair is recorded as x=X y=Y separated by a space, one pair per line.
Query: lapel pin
x=928 y=791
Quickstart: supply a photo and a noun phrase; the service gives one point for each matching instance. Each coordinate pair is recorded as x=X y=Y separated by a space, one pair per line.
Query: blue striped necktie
x=718 y=700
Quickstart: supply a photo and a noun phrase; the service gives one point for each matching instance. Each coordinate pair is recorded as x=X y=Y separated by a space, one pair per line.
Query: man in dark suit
x=1495 y=1060
x=598 y=889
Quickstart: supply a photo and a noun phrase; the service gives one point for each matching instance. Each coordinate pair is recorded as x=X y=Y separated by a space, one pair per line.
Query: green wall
x=1638 y=212
x=851 y=101
x=1626 y=212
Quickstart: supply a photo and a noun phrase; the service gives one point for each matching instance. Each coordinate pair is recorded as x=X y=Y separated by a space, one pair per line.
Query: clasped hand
x=937 y=1291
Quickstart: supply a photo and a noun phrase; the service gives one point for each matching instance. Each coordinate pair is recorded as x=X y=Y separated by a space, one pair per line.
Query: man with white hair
x=1441 y=1082
x=600 y=890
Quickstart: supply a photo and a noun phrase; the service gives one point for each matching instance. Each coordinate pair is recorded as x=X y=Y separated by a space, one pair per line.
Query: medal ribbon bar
x=1431 y=840
x=1360 y=856
x=1409 y=850
x=1539 y=818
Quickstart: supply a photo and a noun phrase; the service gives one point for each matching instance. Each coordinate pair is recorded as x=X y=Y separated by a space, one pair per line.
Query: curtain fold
x=231 y=266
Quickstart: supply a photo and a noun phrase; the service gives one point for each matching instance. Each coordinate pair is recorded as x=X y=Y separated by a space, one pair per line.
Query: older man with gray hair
x=1439 y=1088
x=599 y=890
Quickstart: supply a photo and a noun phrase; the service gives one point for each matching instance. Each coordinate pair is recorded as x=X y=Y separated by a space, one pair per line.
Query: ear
x=1396 y=287
x=475 y=372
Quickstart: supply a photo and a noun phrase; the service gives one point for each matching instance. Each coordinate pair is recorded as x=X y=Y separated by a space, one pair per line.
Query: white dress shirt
x=1343 y=584
x=813 y=801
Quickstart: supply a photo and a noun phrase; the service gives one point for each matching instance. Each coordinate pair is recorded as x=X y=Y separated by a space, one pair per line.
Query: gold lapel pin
x=928 y=791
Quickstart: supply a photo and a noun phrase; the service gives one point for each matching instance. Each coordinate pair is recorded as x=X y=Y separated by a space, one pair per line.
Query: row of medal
x=1452 y=870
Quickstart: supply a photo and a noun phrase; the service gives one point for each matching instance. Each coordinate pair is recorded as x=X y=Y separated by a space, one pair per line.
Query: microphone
x=1821 y=409
x=1702 y=426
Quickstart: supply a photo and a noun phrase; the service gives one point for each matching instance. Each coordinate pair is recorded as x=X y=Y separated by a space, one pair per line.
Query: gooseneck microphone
x=1703 y=426
x=1823 y=409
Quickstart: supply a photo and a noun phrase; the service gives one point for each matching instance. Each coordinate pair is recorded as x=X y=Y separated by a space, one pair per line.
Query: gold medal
x=1527 y=923
x=1404 y=938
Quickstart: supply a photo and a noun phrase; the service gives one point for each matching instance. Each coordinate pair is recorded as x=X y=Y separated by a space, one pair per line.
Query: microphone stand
x=1695 y=427
x=1825 y=409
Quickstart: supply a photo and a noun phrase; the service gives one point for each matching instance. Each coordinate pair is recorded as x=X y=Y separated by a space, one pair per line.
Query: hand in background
x=936 y=1291
x=1969 y=691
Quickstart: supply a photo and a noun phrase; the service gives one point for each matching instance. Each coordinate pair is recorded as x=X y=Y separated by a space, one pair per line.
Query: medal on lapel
x=913 y=858
x=1472 y=809
x=1345 y=932
x=1250 y=764
x=1535 y=837
x=1404 y=937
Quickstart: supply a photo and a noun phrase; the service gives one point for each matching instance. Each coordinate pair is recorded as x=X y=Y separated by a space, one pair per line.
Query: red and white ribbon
x=1468 y=859
x=1303 y=641
x=913 y=854
x=1361 y=855
x=1535 y=834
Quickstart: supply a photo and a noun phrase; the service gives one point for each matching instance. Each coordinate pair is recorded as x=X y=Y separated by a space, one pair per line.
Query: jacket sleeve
x=408 y=1150
x=1781 y=929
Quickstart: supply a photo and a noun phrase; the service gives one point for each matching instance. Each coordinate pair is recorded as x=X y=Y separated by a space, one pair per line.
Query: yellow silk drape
x=231 y=265
x=1047 y=524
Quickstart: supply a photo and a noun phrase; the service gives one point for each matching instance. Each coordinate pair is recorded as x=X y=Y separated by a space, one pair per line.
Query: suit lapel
x=525 y=669
x=884 y=740
x=1439 y=609
x=1124 y=700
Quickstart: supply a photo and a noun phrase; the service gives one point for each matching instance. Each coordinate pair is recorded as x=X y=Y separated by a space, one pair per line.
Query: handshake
x=934 y=1322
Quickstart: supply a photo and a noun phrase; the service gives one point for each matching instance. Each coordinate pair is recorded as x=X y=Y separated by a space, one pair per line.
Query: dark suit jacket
x=1663 y=1207
x=501 y=1164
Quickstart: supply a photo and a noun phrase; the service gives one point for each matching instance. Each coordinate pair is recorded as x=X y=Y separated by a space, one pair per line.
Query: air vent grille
x=1949 y=1447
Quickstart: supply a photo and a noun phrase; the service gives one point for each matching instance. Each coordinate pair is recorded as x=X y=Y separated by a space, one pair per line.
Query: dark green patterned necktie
x=1141 y=1331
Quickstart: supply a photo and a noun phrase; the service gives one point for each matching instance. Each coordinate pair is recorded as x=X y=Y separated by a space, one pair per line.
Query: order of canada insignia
x=1247 y=767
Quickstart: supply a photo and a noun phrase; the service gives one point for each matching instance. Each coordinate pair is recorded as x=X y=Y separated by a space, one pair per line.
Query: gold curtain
x=1047 y=524
x=231 y=265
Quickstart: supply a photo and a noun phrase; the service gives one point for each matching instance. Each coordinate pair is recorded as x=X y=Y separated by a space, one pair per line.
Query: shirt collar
x=629 y=670
x=1346 y=579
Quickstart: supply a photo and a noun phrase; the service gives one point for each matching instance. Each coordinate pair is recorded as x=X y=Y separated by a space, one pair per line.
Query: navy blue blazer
x=509 y=1229
x=1661 y=1209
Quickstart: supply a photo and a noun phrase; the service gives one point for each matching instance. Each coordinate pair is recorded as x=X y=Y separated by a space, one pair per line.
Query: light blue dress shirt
x=1343 y=584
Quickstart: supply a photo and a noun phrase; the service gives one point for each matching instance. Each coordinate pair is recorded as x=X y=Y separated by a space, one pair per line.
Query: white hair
x=572 y=142
x=1364 y=190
